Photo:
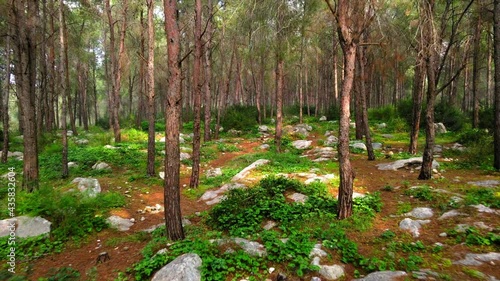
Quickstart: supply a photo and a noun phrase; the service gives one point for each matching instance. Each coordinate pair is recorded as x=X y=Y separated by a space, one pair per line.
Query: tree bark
x=279 y=79
x=5 y=96
x=150 y=86
x=346 y=171
x=116 y=67
x=475 y=70
x=26 y=19
x=64 y=88
x=496 y=28
x=431 y=68
x=198 y=85
x=208 y=75
x=417 y=96
x=364 y=109
x=173 y=216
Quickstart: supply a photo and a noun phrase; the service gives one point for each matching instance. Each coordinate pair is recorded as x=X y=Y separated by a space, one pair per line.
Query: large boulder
x=331 y=140
x=359 y=145
x=302 y=144
x=184 y=268
x=119 y=223
x=413 y=226
x=101 y=166
x=215 y=172
x=243 y=173
x=421 y=213
x=88 y=186
x=263 y=129
x=25 y=226
x=403 y=163
x=440 y=128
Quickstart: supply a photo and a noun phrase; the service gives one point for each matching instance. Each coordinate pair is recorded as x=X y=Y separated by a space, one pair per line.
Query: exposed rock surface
x=485 y=183
x=383 y=276
x=421 y=213
x=119 y=223
x=479 y=259
x=302 y=144
x=243 y=173
x=215 y=172
x=184 y=268
x=88 y=186
x=101 y=166
x=413 y=226
x=403 y=163
x=25 y=226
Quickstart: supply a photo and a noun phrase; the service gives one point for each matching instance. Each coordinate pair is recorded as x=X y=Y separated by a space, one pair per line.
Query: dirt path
x=368 y=179
x=83 y=257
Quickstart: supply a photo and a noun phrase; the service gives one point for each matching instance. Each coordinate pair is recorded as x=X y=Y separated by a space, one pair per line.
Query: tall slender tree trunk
x=417 y=96
x=353 y=17
x=346 y=171
x=279 y=103
x=225 y=94
x=496 y=57
x=64 y=89
x=475 y=70
x=150 y=86
x=5 y=96
x=25 y=20
x=116 y=67
x=301 y=63
x=173 y=216
x=198 y=85
x=431 y=67
x=43 y=74
x=208 y=75
x=364 y=109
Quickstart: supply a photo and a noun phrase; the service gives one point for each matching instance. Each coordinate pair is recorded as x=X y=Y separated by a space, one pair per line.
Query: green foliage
x=423 y=193
x=103 y=122
x=71 y=213
x=223 y=147
x=63 y=274
x=473 y=136
x=473 y=237
x=8 y=276
x=405 y=110
x=479 y=152
x=239 y=117
x=487 y=118
x=243 y=211
x=133 y=135
x=332 y=112
x=159 y=126
x=32 y=247
x=452 y=117
x=294 y=251
x=486 y=196
x=383 y=113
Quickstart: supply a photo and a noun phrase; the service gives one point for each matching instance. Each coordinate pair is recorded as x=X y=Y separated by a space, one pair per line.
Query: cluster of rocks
x=188 y=266
x=413 y=226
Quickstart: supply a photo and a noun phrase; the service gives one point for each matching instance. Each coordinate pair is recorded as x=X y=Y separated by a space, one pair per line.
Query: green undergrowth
x=244 y=212
x=73 y=216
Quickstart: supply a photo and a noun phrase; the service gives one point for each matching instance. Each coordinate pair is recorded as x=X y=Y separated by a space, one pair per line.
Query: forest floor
x=123 y=253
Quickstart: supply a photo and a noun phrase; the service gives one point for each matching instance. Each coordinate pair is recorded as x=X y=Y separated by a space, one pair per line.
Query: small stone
x=443 y=234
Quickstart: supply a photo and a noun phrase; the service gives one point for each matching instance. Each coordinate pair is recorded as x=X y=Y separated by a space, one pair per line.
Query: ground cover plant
x=368 y=241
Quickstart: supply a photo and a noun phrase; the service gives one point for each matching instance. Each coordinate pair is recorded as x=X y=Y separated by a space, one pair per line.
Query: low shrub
x=241 y=118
